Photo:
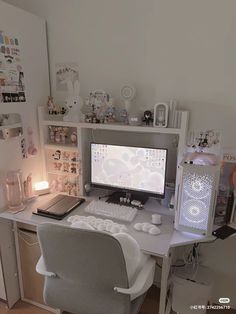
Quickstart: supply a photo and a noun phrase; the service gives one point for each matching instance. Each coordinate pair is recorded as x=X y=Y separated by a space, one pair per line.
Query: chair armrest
x=143 y=281
x=41 y=268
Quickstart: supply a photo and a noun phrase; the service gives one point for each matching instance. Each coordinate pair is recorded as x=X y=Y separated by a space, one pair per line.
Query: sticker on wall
x=12 y=86
x=208 y=141
x=32 y=150
x=66 y=72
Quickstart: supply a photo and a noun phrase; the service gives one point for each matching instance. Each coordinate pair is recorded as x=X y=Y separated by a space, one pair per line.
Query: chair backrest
x=88 y=265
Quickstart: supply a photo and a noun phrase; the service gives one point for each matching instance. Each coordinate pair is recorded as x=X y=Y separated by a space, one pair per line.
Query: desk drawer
x=29 y=255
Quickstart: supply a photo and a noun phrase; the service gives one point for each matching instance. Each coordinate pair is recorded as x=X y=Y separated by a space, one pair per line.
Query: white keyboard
x=113 y=211
x=99 y=224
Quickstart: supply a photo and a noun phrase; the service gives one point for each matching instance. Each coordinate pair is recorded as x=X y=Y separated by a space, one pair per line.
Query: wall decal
x=12 y=86
x=66 y=72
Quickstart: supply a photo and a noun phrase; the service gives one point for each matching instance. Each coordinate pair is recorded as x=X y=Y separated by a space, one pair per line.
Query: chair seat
x=85 y=272
x=135 y=305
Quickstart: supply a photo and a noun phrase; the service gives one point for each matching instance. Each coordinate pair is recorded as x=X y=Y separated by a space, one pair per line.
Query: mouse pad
x=223 y=232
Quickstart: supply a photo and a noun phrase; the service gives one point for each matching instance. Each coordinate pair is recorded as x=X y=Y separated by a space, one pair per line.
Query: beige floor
x=150 y=306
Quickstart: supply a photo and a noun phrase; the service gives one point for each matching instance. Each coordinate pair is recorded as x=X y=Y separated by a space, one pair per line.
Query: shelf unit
x=62 y=162
x=116 y=127
x=85 y=135
x=61 y=146
x=11 y=130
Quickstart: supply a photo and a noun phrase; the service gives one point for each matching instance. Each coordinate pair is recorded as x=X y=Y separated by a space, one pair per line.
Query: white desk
x=160 y=246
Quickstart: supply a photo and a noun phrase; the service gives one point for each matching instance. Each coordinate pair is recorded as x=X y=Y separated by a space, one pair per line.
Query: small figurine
x=66 y=166
x=100 y=103
x=73 y=190
x=57 y=166
x=147 y=117
x=53 y=186
x=57 y=136
x=88 y=118
x=68 y=188
x=57 y=155
x=51 y=134
x=110 y=115
x=63 y=135
x=124 y=116
x=73 y=138
x=28 y=187
x=60 y=184
x=66 y=156
x=73 y=168
x=50 y=105
x=74 y=157
x=53 y=108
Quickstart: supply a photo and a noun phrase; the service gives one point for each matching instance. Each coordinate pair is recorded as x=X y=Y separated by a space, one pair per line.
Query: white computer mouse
x=146 y=226
x=154 y=230
x=138 y=226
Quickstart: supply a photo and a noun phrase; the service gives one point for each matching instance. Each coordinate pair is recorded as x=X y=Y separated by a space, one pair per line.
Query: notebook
x=59 y=206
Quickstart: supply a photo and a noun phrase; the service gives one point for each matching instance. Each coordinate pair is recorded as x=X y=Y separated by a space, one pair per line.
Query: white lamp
x=41 y=188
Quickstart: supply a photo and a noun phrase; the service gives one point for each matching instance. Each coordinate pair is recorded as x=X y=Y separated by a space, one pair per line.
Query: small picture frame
x=160 y=115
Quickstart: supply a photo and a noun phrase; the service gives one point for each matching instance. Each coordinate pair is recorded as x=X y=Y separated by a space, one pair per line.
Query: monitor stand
x=117 y=196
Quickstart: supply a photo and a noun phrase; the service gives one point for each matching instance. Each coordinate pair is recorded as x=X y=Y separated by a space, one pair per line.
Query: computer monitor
x=130 y=169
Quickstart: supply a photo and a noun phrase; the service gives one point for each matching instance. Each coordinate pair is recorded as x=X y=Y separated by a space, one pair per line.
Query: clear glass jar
x=14 y=190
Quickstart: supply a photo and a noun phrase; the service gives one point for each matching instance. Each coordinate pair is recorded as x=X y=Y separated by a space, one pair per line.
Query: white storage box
x=191 y=294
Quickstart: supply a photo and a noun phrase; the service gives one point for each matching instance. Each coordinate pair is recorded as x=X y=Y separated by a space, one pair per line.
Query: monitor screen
x=129 y=168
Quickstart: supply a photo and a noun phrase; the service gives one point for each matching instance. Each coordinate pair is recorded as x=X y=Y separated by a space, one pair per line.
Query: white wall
x=31 y=33
x=184 y=49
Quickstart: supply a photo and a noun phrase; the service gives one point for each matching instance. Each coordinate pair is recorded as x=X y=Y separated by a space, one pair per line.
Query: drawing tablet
x=59 y=206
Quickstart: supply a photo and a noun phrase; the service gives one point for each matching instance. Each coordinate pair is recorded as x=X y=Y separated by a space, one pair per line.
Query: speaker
x=196 y=198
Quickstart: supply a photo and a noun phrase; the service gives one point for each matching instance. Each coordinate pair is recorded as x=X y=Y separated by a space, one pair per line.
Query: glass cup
x=14 y=190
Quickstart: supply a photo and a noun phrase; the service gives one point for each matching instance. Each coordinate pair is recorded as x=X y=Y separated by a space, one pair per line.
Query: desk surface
x=156 y=245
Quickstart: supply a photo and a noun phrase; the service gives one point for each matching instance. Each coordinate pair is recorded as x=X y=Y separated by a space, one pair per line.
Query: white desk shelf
x=57 y=122
x=114 y=132
x=11 y=126
x=114 y=127
x=129 y=128
x=61 y=146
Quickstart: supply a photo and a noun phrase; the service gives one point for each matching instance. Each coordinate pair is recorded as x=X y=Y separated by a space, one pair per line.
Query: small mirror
x=10 y=125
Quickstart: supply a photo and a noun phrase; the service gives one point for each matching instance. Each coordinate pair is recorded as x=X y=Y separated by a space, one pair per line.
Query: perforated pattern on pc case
x=196 y=199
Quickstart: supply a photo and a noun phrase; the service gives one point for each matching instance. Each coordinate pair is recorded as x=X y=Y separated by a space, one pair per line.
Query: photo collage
x=12 y=86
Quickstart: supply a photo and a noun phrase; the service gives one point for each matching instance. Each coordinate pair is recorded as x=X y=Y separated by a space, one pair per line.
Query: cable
x=183 y=265
x=212 y=241
x=93 y=137
x=159 y=265
x=103 y=196
x=21 y=233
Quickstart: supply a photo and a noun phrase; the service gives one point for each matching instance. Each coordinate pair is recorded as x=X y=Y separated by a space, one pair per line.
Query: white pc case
x=196 y=198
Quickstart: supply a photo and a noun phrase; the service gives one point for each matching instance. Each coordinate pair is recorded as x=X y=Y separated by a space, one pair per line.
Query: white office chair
x=85 y=272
